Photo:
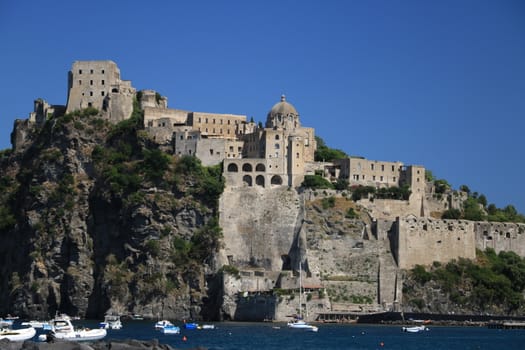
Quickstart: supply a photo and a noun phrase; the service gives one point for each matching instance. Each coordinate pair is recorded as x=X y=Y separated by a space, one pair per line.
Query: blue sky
x=433 y=83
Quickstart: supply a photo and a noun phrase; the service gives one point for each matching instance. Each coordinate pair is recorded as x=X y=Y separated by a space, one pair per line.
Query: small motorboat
x=17 y=334
x=170 y=329
x=191 y=325
x=414 y=329
x=160 y=325
x=300 y=324
x=207 y=326
x=62 y=328
x=111 y=322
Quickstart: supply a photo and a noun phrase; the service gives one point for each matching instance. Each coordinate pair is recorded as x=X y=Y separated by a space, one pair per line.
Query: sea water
x=270 y=336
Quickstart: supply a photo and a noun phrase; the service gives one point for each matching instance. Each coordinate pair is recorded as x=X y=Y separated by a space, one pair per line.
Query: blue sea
x=269 y=336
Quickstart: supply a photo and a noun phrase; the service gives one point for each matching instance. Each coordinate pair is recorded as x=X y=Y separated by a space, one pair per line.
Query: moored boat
x=190 y=325
x=414 y=329
x=170 y=329
x=111 y=322
x=62 y=328
x=35 y=324
x=17 y=334
x=160 y=325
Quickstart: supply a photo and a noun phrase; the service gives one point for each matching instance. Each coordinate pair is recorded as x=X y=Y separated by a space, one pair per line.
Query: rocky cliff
x=93 y=217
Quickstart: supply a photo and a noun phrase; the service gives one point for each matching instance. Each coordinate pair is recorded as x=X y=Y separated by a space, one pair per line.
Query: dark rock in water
x=101 y=345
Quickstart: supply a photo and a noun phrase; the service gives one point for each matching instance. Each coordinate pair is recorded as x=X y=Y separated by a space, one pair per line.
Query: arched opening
x=247 y=167
x=232 y=168
x=259 y=180
x=260 y=167
x=276 y=180
x=247 y=180
x=114 y=90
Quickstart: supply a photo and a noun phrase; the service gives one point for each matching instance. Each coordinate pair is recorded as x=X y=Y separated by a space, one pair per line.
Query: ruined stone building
x=97 y=84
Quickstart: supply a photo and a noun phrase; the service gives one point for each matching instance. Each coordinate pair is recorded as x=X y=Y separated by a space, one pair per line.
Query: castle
x=260 y=164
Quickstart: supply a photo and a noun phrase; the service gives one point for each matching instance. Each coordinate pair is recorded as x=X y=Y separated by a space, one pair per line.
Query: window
x=381 y=178
x=297 y=155
x=80 y=82
x=277 y=137
x=213 y=120
x=206 y=120
x=91 y=82
x=102 y=71
x=102 y=93
x=91 y=71
x=371 y=166
x=90 y=104
x=80 y=71
x=91 y=93
x=382 y=167
x=392 y=168
x=277 y=146
x=102 y=82
x=211 y=152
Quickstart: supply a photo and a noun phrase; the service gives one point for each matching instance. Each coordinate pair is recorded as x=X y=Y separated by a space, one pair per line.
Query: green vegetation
x=316 y=182
x=496 y=280
x=230 y=270
x=326 y=154
x=328 y=202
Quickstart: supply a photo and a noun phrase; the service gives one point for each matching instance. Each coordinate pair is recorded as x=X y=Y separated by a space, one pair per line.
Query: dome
x=283 y=108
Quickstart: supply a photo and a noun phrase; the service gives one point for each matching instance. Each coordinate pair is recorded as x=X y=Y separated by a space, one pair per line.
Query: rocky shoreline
x=100 y=345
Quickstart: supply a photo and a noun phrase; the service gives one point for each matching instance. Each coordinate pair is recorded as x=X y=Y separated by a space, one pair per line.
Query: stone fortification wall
x=500 y=236
x=389 y=209
x=259 y=226
x=423 y=241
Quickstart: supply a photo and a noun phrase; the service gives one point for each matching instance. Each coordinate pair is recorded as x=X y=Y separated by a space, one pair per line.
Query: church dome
x=283 y=108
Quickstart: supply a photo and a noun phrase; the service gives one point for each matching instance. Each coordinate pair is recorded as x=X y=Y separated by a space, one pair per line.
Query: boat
x=190 y=325
x=170 y=329
x=17 y=334
x=207 y=326
x=62 y=328
x=35 y=324
x=111 y=322
x=298 y=322
x=137 y=317
x=414 y=329
x=6 y=323
x=162 y=324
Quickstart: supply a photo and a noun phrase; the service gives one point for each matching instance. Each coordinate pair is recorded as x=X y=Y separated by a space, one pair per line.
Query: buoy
x=382 y=344
x=184 y=338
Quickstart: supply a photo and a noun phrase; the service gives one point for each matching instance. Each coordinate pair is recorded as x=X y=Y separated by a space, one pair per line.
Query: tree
x=325 y=153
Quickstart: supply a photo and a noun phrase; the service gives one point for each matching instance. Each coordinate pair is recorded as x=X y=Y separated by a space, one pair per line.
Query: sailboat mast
x=300 y=290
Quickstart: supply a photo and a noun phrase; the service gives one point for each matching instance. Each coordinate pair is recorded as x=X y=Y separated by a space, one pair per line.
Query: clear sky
x=433 y=83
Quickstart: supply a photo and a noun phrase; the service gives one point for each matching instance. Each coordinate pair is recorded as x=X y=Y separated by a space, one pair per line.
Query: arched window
x=247 y=180
x=259 y=180
x=247 y=167
x=276 y=180
x=232 y=168
x=260 y=167
x=277 y=137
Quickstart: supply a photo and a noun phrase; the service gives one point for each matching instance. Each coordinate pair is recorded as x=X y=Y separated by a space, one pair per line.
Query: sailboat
x=298 y=322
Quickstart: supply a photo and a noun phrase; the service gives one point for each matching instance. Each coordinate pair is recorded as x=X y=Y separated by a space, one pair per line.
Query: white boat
x=62 y=328
x=298 y=322
x=207 y=326
x=170 y=329
x=17 y=334
x=414 y=329
x=111 y=322
x=162 y=324
x=35 y=324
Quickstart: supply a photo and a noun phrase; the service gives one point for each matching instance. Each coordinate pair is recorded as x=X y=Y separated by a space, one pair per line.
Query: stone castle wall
x=423 y=241
x=500 y=236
